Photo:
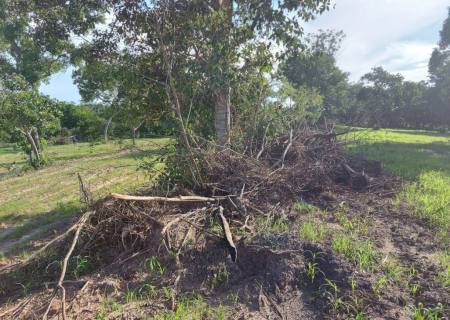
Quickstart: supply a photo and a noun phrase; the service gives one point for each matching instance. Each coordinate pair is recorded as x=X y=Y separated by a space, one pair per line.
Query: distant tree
x=439 y=71
x=28 y=117
x=316 y=68
x=82 y=121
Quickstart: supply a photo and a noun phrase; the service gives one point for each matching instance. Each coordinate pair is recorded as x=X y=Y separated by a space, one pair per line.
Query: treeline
x=379 y=99
x=203 y=70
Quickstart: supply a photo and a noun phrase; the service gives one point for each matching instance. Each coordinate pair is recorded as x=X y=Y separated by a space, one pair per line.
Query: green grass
x=407 y=153
x=360 y=252
x=423 y=159
x=312 y=231
x=194 y=308
x=105 y=168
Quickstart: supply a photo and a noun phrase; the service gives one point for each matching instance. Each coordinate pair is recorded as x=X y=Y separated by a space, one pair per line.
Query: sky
x=398 y=35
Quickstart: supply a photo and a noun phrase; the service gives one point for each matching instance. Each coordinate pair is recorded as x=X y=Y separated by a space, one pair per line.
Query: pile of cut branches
x=233 y=188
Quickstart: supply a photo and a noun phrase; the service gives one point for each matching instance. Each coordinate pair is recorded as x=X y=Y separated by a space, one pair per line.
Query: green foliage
x=271 y=225
x=361 y=252
x=154 y=266
x=82 y=121
x=430 y=199
x=35 y=36
x=316 y=68
x=304 y=207
x=29 y=118
x=314 y=232
x=194 y=308
x=422 y=313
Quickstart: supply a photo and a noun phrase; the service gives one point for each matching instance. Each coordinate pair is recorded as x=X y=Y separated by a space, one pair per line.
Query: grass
x=105 y=168
x=430 y=199
x=313 y=232
x=407 y=153
x=422 y=158
x=360 y=252
x=194 y=308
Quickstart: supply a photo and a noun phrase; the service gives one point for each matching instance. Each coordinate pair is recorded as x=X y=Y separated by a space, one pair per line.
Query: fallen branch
x=228 y=236
x=59 y=286
x=163 y=199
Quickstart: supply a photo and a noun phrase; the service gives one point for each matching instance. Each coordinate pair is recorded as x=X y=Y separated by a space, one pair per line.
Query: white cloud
x=389 y=33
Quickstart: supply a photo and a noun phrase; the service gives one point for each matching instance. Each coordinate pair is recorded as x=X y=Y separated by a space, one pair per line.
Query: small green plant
x=358 y=251
x=154 y=266
x=422 y=313
x=220 y=276
x=304 y=207
x=331 y=293
x=380 y=284
x=266 y=225
x=148 y=291
x=443 y=275
x=312 y=232
x=311 y=270
x=82 y=265
x=233 y=298
x=393 y=270
x=194 y=308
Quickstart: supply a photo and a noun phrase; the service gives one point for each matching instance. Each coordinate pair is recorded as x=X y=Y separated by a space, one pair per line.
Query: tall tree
x=36 y=37
x=27 y=116
x=199 y=46
x=439 y=70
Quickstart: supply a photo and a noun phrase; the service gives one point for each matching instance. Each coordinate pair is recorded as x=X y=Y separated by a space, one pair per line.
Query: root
x=59 y=287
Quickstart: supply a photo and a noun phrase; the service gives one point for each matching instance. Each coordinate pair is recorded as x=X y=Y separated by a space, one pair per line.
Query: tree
x=439 y=70
x=82 y=121
x=197 y=46
x=28 y=116
x=316 y=68
x=36 y=36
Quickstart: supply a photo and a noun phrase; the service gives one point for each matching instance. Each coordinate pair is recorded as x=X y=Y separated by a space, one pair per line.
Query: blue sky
x=396 y=34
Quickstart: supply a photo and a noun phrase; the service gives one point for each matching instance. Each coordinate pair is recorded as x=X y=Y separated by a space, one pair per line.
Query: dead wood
x=59 y=287
x=163 y=199
x=228 y=235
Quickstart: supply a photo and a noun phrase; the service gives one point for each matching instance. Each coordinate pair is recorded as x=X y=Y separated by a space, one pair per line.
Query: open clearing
x=381 y=253
x=52 y=193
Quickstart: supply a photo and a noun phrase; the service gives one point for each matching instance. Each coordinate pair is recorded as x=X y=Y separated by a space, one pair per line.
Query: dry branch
x=59 y=286
x=163 y=199
x=228 y=235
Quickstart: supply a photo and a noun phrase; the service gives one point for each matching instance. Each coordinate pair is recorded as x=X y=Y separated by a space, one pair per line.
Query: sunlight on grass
x=105 y=168
x=430 y=199
x=406 y=153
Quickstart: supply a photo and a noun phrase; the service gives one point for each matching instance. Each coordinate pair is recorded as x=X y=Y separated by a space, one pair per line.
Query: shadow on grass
x=407 y=160
x=421 y=133
x=41 y=223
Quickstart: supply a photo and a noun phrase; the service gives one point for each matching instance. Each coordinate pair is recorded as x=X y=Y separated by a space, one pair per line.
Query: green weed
x=422 y=313
x=361 y=252
x=265 y=225
x=154 y=266
x=430 y=199
x=194 y=308
x=312 y=232
x=304 y=207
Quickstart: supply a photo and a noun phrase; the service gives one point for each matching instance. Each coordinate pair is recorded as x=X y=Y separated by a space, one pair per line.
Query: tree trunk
x=35 y=135
x=107 y=128
x=222 y=113
x=133 y=135
x=34 y=150
x=222 y=117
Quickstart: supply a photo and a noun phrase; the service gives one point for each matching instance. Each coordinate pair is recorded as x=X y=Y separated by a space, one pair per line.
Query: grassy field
x=105 y=168
x=406 y=153
x=423 y=159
